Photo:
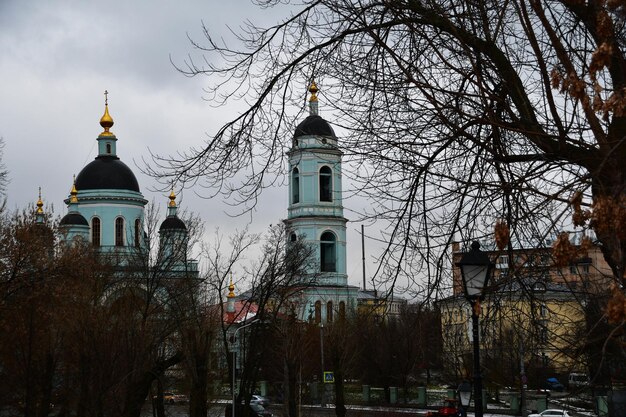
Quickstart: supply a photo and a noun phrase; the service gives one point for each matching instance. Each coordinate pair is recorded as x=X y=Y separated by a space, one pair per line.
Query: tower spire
x=74 y=192
x=230 y=298
x=39 y=215
x=171 y=207
x=39 y=203
x=106 y=121
x=231 y=287
x=313 y=104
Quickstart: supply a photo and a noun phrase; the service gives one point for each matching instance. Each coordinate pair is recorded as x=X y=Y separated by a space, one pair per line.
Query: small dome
x=173 y=223
x=107 y=172
x=73 y=219
x=314 y=125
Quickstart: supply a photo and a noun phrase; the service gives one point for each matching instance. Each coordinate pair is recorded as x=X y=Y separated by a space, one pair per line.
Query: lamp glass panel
x=474 y=279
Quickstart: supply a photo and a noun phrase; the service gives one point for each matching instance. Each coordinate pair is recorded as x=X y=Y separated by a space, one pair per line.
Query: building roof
x=73 y=219
x=314 y=125
x=173 y=223
x=107 y=172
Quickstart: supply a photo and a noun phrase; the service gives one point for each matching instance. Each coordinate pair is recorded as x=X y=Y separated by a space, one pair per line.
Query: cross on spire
x=106 y=98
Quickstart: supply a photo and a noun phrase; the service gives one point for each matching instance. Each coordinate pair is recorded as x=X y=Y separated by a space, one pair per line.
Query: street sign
x=329 y=377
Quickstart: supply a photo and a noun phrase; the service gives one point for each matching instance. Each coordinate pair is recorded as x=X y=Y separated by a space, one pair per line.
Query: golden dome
x=39 y=203
x=106 y=121
x=172 y=199
x=313 y=90
x=231 y=288
x=74 y=192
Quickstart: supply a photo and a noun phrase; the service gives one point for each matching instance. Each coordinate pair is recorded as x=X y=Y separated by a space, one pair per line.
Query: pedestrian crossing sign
x=329 y=377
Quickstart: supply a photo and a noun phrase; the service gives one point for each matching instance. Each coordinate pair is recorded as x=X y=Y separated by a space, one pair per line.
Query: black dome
x=173 y=222
x=74 y=219
x=106 y=172
x=314 y=125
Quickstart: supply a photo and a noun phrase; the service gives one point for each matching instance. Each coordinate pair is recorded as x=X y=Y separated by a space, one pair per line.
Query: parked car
x=554 y=385
x=174 y=398
x=255 y=410
x=551 y=413
x=449 y=409
x=577 y=380
x=259 y=399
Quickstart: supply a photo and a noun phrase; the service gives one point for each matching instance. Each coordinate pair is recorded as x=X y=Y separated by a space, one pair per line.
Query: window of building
x=295 y=186
x=119 y=231
x=326 y=184
x=318 y=311
x=137 y=233
x=342 y=310
x=95 y=231
x=328 y=256
x=329 y=311
x=293 y=237
x=108 y=148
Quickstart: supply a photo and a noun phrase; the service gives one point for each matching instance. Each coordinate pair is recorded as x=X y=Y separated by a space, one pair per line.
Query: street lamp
x=475 y=270
x=235 y=359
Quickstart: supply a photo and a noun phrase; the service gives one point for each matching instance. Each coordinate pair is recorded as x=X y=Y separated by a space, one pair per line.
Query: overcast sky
x=58 y=57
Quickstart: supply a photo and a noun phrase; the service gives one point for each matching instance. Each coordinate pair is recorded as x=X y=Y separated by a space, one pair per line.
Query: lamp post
x=321 y=325
x=322 y=397
x=235 y=359
x=475 y=270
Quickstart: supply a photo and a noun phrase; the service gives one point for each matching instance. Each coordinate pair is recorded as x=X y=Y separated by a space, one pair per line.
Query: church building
x=106 y=208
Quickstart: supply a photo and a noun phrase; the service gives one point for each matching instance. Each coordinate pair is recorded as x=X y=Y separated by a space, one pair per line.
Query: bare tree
x=277 y=280
x=456 y=113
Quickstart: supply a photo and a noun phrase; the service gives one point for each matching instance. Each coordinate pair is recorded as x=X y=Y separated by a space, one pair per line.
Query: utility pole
x=235 y=357
x=323 y=399
x=523 y=379
x=363 y=252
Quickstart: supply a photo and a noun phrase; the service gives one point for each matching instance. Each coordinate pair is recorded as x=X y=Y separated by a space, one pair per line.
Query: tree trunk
x=340 y=401
x=292 y=390
x=138 y=391
x=157 y=403
x=46 y=386
x=198 y=393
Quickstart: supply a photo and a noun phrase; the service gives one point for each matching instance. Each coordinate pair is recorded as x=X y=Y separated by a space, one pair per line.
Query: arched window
x=119 y=231
x=318 y=311
x=108 y=148
x=295 y=186
x=137 y=233
x=326 y=189
x=293 y=237
x=329 y=311
x=95 y=231
x=342 y=310
x=328 y=257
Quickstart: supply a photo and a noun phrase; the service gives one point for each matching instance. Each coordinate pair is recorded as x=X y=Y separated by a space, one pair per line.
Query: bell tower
x=315 y=212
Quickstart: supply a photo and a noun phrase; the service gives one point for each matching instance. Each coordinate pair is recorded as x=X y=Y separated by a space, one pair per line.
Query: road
x=277 y=411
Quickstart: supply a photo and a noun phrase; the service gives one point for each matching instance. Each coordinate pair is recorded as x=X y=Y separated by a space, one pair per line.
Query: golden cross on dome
x=106 y=98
